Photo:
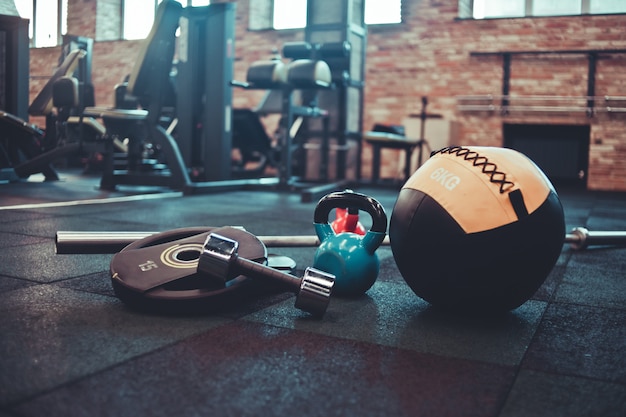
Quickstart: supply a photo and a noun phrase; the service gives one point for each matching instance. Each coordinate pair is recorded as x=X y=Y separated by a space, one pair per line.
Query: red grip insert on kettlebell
x=351 y=199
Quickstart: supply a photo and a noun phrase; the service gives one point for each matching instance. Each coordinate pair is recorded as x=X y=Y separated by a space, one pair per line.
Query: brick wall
x=429 y=54
x=432 y=57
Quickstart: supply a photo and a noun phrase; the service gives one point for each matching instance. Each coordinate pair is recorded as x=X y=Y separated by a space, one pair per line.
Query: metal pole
x=591 y=82
x=69 y=242
x=581 y=238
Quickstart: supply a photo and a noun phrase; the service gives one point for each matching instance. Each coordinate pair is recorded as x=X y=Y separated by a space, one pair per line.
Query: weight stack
x=206 y=53
x=331 y=24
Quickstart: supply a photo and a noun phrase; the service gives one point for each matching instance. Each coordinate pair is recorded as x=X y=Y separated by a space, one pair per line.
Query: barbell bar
x=80 y=242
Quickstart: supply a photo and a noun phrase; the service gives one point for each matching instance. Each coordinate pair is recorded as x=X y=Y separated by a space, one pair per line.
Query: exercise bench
x=380 y=140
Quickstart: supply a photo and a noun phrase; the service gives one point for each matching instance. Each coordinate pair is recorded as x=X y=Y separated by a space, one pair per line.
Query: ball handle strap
x=489 y=168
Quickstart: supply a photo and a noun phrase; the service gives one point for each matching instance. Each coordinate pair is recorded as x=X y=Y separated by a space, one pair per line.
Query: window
x=138 y=16
x=556 y=8
x=48 y=20
x=383 y=11
x=486 y=8
x=607 y=6
x=483 y=9
x=291 y=14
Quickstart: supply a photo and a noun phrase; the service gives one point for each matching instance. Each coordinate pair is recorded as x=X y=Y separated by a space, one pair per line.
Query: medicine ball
x=477 y=229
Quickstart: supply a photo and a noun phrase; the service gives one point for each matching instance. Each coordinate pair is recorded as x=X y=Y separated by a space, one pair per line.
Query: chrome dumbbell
x=219 y=260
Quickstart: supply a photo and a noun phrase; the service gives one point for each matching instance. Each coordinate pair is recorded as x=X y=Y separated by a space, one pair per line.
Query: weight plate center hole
x=187 y=255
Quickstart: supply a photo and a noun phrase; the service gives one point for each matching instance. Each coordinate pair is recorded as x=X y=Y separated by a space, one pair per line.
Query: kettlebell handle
x=350 y=199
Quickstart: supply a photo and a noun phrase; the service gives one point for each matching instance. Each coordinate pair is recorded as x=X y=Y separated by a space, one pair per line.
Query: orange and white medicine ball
x=477 y=228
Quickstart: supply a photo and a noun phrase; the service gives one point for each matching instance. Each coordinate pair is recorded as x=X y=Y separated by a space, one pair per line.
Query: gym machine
x=203 y=71
x=199 y=140
x=329 y=139
x=14 y=55
x=336 y=22
x=181 y=136
x=27 y=149
x=192 y=147
x=209 y=130
x=296 y=86
x=322 y=99
x=197 y=151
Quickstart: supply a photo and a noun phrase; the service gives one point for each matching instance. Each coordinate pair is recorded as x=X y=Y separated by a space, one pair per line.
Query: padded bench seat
x=90 y=122
x=125 y=114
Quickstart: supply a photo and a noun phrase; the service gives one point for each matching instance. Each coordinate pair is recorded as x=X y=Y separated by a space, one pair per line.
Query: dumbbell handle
x=307 y=287
x=219 y=261
x=251 y=269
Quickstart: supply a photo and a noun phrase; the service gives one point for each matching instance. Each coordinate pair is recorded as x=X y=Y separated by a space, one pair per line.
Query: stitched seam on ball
x=489 y=168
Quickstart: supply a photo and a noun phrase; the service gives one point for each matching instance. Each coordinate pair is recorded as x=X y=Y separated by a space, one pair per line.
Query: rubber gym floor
x=70 y=347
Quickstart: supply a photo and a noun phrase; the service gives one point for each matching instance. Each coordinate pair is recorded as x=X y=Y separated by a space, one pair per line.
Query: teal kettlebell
x=349 y=256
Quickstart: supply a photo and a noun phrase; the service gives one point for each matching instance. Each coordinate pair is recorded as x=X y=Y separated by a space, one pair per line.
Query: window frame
x=272 y=24
x=61 y=23
x=585 y=9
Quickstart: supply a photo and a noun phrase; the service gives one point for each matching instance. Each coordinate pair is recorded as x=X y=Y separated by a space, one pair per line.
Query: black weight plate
x=158 y=273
